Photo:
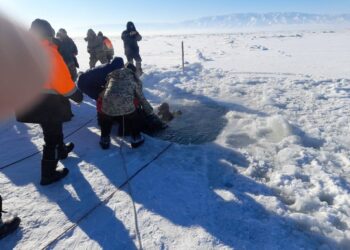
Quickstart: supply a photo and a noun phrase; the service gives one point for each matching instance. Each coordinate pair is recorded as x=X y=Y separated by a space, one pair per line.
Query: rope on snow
x=104 y=201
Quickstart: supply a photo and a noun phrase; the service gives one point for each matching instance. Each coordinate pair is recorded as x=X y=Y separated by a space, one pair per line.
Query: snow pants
x=128 y=124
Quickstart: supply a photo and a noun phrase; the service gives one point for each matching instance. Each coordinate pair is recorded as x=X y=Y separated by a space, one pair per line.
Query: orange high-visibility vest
x=108 y=43
x=60 y=81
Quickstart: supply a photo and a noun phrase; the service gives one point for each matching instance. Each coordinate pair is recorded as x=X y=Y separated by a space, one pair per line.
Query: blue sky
x=81 y=13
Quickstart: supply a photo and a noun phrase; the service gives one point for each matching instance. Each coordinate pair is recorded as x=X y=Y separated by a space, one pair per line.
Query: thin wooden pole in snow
x=183 y=56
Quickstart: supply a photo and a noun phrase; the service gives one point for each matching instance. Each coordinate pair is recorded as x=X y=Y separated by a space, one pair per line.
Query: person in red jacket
x=50 y=112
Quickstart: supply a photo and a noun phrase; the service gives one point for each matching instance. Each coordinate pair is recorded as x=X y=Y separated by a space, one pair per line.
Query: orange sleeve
x=60 y=80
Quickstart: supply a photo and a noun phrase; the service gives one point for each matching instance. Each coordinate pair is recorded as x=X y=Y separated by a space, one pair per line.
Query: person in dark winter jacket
x=93 y=81
x=49 y=111
x=95 y=49
x=69 y=52
x=107 y=46
x=130 y=38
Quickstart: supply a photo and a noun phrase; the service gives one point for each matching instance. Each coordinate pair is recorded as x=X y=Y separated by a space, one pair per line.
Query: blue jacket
x=93 y=81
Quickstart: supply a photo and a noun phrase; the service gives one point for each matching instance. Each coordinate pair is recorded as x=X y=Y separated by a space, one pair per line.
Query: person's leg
x=138 y=60
x=93 y=61
x=53 y=137
x=133 y=122
x=9 y=225
x=130 y=59
x=106 y=123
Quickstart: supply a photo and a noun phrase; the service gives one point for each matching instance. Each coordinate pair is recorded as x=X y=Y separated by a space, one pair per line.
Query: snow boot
x=49 y=173
x=7 y=226
x=64 y=150
x=137 y=141
x=139 y=71
x=105 y=142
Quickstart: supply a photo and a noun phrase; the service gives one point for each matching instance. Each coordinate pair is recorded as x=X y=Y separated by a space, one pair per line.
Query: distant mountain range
x=250 y=20
x=243 y=21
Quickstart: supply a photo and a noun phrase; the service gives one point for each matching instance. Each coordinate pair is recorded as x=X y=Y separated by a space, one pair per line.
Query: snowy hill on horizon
x=248 y=20
x=233 y=22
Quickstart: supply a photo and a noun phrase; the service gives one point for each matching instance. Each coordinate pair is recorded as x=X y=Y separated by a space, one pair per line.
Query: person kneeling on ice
x=50 y=112
x=118 y=106
x=150 y=122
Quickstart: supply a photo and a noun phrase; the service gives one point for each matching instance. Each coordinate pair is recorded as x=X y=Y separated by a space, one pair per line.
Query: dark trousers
x=53 y=137
x=128 y=124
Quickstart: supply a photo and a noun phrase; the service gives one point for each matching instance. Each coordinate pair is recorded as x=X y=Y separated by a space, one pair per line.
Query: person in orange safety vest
x=50 y=111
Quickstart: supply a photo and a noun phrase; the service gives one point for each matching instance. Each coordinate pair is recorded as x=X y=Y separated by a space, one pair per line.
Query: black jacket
x=51 y=108
x=130 y=38
x=68 y=50
x=93 y=80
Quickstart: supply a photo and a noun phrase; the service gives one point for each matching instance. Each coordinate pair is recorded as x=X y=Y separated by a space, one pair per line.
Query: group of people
x=115 y=86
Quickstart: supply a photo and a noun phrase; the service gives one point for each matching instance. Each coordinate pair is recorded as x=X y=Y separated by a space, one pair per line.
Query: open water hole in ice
x=200 y=122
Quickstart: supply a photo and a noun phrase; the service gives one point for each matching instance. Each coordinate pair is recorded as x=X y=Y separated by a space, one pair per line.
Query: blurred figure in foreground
x=130 y=38
x=34 y=65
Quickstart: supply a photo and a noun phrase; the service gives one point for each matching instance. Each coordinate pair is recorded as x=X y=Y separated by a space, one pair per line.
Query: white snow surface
x=275 y=173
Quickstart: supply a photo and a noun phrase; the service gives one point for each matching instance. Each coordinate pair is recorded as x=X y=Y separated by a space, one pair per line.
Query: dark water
x=198 y=123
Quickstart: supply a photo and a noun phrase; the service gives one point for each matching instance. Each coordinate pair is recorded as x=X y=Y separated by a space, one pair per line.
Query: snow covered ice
x=264 y=164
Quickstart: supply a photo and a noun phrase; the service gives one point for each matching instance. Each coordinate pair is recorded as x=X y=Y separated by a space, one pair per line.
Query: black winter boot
x=7 y=226
x=49 y=174
x=64 y=150
x=105 y=142
x=137 y=141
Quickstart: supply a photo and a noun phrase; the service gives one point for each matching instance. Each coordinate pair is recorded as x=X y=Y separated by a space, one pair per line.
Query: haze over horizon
x=78 y=15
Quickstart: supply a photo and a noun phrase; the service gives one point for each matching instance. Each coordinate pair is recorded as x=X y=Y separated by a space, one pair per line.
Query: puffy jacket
x=52 y=105
x=68 y=49
x=121 y=89
x=95 y=45
x=93 y=81
x=130 y=38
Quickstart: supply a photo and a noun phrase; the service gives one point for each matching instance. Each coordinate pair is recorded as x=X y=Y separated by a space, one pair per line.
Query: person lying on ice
x=49 y=111
x=118 y=106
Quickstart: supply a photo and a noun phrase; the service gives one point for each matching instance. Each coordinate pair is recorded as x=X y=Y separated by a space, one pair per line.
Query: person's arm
x=74 y=48
x=138 y=37
x=77 y=96
x=125 y=35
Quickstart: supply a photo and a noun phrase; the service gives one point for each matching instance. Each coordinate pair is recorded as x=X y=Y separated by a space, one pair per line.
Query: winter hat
x=62 y=31
x=42 y=28
x=100 y=33
x=130 y=26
